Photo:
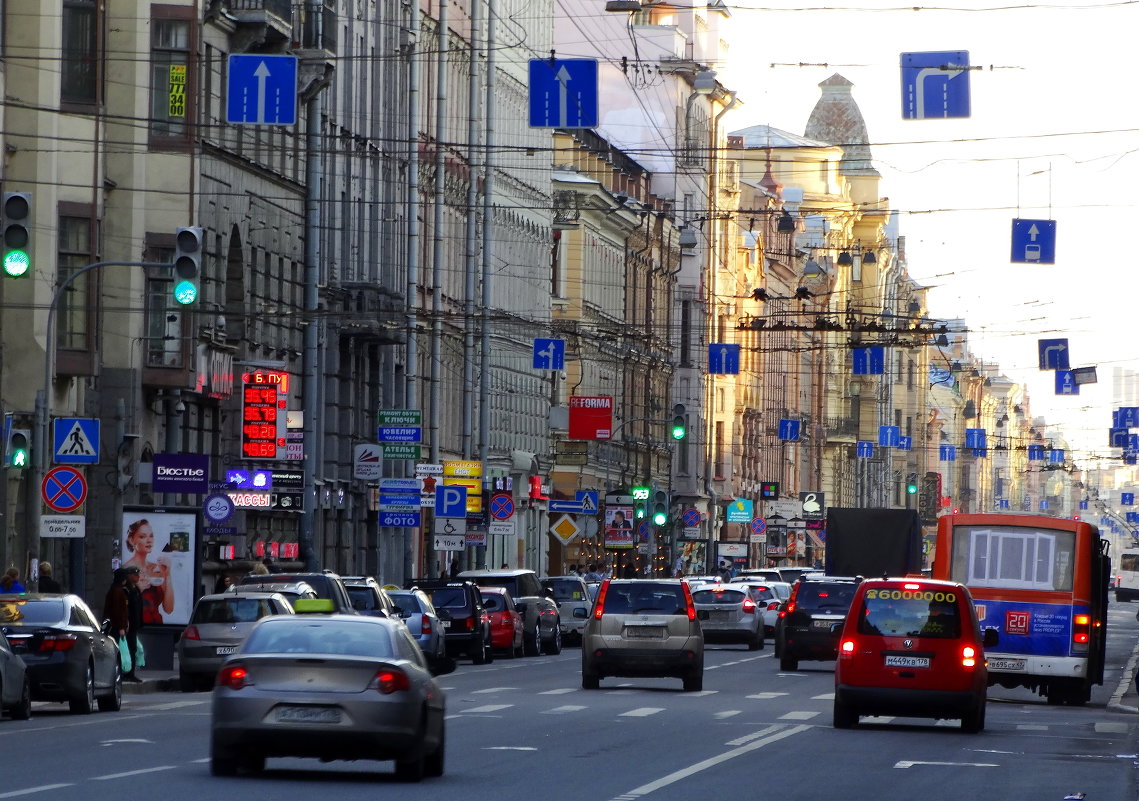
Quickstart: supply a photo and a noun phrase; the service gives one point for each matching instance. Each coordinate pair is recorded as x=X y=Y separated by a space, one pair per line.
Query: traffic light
x=912 y=484
x=679 y=422
x=660 y=507
x=17 y=234
x=640 y=502
x=187 y=264
x=17 y=451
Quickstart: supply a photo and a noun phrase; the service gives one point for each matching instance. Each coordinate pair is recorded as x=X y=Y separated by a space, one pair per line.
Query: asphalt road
x=524 y=728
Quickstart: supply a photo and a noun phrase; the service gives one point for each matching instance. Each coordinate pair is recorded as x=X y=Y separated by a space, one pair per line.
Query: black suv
x=459 y=606
x=369 y=598
x=541 y=621
x=326 y=583
x=810 y=621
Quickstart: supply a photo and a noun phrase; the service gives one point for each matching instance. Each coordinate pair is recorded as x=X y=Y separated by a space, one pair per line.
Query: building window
x=169 y=79
x=75 y=252
x=719 y=451
x=80 y=57
x=163 y=315
x=686 y=333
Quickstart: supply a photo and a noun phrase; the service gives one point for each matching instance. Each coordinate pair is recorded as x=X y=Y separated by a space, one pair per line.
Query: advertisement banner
x=163 y=545
x=181 y=472
x=590 y=417
x=619 y=527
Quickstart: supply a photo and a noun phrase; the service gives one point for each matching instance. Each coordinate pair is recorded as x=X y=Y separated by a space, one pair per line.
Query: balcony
x=841 y=429
x=275 y=25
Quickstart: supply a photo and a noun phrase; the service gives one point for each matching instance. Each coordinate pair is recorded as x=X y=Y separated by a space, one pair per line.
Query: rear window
x=894 y=612
x=721 y=597
x=449 y=597
x=508 y=583
x=363 y=599
x=33 y=613
x=493 y=603
x=293 y=636
x=823 y=597
x=643 y=598
x=407 y=604
x=232 y=610
x=567 y=590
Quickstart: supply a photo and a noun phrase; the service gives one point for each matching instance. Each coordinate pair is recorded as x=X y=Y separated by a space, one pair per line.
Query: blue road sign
x=549 y=354
x=1056 y=456
x=588 y=500
x=935 y=85
x=404 y=519
x=1035 y=452
x=1033 y=242
x=1066 y=383
x=947 y=453
x=789 y=429
x=1125 y=417
x=76 y=440
x=974 y=438
x=905 y=443
x=1130 y=457
x=564 y=505
x=399 y=434
x=888 y=436
x=1044 y=506
x=262 y=90
x=1127 y=499
x=864 y=450
x=451 y=501
x=563 y=93
x=981 y=453
x=584 y=503
x=1002 y=503
x=691 y=518
x=1083 y=505
x=1117 y=437
x=501 y=506
x=1053 y=354
x=723 y=359
x=869 y=361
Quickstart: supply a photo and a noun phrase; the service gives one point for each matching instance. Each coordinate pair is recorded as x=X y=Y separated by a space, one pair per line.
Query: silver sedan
x=328 y=687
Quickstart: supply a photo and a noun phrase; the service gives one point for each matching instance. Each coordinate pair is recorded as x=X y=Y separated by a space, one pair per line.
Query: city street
x=524 y=728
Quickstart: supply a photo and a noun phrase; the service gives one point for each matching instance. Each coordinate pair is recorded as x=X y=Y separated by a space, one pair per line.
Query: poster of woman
x=160 y=545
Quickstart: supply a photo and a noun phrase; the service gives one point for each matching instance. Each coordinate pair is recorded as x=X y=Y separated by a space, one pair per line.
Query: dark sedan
x=69 y=655
x=15 y=690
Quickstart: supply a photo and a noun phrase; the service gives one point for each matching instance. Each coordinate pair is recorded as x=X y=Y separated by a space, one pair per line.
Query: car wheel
x=187 y=682
x=590 y=681
x=223 y=763
x=480 y=653
x=411 y=766
x=973 y=720
x=531 y=643
x=84 y=703
x=253 y=763
x=434 y=763
x=787 y=662
x=113 y=701
x=23 y=708
x=1119 y=598
x=554 y=646
x=694 y=684
x=755 y=643
x=844 y=716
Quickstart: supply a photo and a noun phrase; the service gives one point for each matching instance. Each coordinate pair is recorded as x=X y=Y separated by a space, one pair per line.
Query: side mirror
x=702 y=614
x=990 y=638
x=581 y=612
x=442 y=666
x=105 y=627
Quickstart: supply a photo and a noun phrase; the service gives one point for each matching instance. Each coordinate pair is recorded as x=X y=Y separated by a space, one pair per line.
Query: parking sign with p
x=451 y=501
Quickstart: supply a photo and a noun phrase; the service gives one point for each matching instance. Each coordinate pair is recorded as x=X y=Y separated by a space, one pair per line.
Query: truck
x=873 y=542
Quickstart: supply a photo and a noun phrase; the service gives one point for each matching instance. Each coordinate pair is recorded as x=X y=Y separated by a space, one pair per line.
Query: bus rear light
x=1081 y=633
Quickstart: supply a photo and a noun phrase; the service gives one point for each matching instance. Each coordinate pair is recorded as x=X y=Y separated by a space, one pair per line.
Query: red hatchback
x=505 y=621
x=912 y=648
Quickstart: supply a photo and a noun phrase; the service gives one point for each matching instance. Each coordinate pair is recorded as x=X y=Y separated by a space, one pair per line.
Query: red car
x=505 y=621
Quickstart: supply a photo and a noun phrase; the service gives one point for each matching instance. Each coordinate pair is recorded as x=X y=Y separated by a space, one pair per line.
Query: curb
x=147 y=686
x=1115 y=703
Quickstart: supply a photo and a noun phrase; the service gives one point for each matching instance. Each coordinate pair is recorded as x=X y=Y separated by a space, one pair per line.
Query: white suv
x=574 y=602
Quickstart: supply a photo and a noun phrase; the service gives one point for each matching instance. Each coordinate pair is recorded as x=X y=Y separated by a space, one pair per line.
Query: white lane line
x=141 y=772
x=43 y=788
x=561 y=691
x=509 y=748
x=474 y=710
x=1110 y=727
x=174 y=705
x=641 y=712
x=737 y=662
x=727 y=713
x=559 y=710
x=904 y=764
x=1031 y=727
x=493 y=690
x=801 y=714
x=767 y=696
x=823 y=697
x=773 y=734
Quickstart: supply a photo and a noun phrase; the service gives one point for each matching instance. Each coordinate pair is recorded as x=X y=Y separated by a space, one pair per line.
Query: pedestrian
x=224 y=582
x=47 y=583
x=134 y=616
x=259 y=569
x=454 y=568
x=592 y=573
x=124 y=616
x=10 y=581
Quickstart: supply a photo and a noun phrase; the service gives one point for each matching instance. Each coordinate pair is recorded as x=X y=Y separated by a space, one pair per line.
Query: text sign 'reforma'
x=264 y=399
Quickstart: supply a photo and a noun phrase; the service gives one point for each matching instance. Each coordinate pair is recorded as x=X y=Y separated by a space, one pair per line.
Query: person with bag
x=134 y=620
x=116 y=609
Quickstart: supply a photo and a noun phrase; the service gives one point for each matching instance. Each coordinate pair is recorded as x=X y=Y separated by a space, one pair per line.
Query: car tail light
x=749 y=606
x=191 y=633
x=846 y=647
x=389 y=680
x=234 y=677
x=791 y=601
x=969 y=656
x=599 y=607
x=688 y=601
x=425 y=624
x=773 y=605
x=58 y=642
x=1081 y=633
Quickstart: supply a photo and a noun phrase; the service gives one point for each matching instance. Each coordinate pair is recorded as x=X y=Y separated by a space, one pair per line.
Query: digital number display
x=264 y=400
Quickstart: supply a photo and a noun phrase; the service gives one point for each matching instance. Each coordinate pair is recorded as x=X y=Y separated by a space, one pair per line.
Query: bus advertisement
x=1042 y=583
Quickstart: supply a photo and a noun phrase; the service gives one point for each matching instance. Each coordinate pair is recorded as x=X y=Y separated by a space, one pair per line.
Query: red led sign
x=264 y=399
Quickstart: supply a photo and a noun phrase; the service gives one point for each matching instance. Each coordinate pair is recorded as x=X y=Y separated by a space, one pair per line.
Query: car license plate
x=644 y=632
x=226 y=650
x=1006 y=664
x=903 y=661
x=720 y=614
x=446 y=624
x=307 y=714
x=823 y=624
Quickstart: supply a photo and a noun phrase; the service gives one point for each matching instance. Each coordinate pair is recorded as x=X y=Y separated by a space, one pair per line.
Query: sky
x=1053 y=134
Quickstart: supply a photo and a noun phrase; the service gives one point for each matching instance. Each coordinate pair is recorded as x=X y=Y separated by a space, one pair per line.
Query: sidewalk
x=1126 y=696
x=153 y=681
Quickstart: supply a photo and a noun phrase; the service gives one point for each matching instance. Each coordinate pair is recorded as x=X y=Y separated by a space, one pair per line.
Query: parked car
x=505 y=621
x=217 y=626
x=326 y=584
x=574 y=601
x=643 y=627
x=329 y=687
x=542 y=631
x=422 y=621
x=15 y=687
x=369 y=598
x=732 y=615
x=912 y=648
x=292 y=591
x=811 y=619
x=459 y=606
x=68 y=655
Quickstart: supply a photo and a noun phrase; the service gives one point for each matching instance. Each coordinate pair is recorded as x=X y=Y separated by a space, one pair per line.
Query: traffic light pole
x=40 y=461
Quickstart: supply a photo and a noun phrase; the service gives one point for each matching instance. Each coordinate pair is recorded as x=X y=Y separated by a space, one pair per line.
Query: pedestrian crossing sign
x=76 y=440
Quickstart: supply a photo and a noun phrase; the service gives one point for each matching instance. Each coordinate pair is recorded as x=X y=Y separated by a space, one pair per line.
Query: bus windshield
x=1013 y=557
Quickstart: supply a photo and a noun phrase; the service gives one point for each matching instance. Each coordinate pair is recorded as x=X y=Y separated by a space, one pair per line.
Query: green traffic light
x=679 y=430
x=911 y=489
x=660 y=518
x=16 y=263
x=185 y=292
x=20 y=459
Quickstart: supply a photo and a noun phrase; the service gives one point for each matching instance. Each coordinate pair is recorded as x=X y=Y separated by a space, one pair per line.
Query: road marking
x=43 y=788
x=509 y=748
x=1031 y=727
x=558 y=710
x=877 y=718
x=561 y=691
x=1110 y=727
x=738 y=662
x=174 y=705
x=768 y=736
x=126 y=740
x=823 y=697
x=494 y=690
x=727 y=713
x=487 y=708
x=701 y=693
x=141 y=772
x=766 y=696
x=801 y=714
x=904 y=764
x=641 y=712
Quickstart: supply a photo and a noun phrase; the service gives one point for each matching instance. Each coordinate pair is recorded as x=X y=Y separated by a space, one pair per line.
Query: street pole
x=34 y=511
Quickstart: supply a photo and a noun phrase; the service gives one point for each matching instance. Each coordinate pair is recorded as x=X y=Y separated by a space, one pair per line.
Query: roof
x=764 y=136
